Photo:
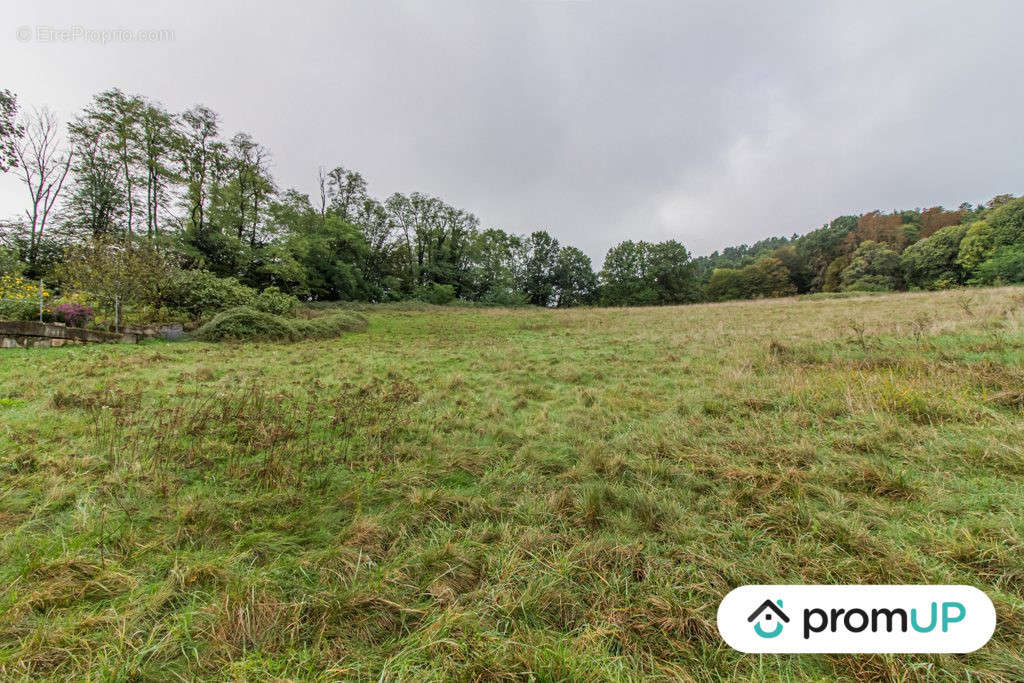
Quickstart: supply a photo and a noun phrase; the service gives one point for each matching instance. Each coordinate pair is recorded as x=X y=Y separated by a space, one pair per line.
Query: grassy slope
x=484 y=493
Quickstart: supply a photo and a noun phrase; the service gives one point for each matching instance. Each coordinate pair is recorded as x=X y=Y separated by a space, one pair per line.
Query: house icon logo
x=764 y=615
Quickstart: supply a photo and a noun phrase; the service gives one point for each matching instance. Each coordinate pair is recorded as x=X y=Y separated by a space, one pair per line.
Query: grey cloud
x=712 y=122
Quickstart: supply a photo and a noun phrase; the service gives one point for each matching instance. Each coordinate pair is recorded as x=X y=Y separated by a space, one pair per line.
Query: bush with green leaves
x=975 y=247
x=329 y=326
x=244 y=323
x=990 y=249
x=1005 y=266
x=273 y=300
x=765 y=278
x=931 y=263
x=10 y=263
x=1007 y=221
x=504 y=296
x=830 y=281
x=874 y=267
x=198 y=292
x=434 y=293
x=18 y=309
x=726 y=283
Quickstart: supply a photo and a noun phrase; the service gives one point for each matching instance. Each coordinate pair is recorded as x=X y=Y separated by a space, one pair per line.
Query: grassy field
x=478 y=494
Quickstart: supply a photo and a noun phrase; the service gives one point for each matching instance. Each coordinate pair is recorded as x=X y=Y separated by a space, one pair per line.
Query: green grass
x=477 y=494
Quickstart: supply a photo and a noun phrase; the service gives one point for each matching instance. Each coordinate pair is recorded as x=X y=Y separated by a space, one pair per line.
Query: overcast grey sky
x=713 y=123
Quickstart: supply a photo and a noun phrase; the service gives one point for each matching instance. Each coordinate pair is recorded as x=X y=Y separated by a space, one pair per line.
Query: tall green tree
x=574 y=279
x=97 y=201
x=196 y=151
x=767 y=277
x=874 y=266
x=643 y=274
x=672 y=273
x=330 y=252
x=496 y=270
x=346 y=192
x=540 y=268
x=931 y=263
x=116 y=118
x=624 y=276
x=160 y=143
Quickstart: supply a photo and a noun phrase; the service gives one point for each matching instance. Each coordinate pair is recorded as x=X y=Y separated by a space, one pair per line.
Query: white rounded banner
x=856 y=619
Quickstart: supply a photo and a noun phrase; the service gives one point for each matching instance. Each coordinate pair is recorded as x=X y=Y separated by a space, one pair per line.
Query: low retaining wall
x=14 y=334
x=170 y=331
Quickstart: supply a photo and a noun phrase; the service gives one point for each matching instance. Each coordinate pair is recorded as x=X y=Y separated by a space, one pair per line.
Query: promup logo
x=856 y=619
x=766 y=612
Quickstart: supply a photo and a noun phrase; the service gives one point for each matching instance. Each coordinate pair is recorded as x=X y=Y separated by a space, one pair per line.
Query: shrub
x=245 y=323
x=1005 y=266
x=19 y=298
x=434 y=293
x=19 y=309
x=871 y=283
x=75 y=315
x=1001 y=232
x=874 y=267
x=830 y=278
x=10 y=264
x=726 y=283
x=766 y=277
x=504 y=296
x=273 y=300
x=248 y=324
x=329 y=326
x=199 y=291
x=975 y=247
x=17 y=288
x=931 y=263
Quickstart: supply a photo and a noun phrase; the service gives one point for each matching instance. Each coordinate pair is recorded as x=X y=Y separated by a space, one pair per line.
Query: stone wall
x=169 y=331
x=14 y=334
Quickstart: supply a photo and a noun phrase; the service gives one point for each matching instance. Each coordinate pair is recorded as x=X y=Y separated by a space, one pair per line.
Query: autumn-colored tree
x=934 y=219
x=875 y=226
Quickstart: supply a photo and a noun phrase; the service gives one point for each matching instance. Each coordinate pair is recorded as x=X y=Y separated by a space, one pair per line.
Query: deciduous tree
x=43 y=164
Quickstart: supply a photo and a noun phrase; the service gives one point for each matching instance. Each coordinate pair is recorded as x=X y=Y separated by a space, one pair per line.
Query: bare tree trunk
x=149 y=202
x=128 y=187
x=323 y=193
x=44 y=167
x=255 y=217
x=156 y=204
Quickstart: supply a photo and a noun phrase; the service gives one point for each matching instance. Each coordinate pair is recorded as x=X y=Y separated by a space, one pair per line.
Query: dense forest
x=163 y=214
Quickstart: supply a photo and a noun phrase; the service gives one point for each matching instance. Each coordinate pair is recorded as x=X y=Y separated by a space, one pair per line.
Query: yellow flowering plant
x=19 y=298
x=18 y=288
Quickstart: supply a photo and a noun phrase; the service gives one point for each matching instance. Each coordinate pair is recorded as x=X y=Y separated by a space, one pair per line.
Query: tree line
x=916 y=249
x=125 y=171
